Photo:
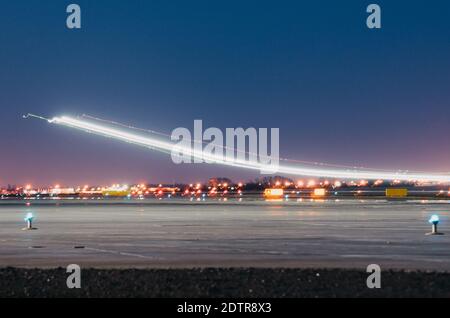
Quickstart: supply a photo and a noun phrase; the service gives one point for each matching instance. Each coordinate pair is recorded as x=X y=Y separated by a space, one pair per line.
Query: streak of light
x=168 y=147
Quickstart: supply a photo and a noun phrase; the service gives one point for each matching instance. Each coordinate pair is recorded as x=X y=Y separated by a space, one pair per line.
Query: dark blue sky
x=339 y=92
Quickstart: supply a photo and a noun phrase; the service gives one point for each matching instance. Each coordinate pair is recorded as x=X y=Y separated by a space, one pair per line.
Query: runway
x=178 y=234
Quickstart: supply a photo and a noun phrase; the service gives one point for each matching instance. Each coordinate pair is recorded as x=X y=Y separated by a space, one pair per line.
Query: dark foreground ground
x=221 y=282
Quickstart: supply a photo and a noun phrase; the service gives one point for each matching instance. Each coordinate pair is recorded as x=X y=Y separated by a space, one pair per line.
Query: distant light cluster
x=268 y=187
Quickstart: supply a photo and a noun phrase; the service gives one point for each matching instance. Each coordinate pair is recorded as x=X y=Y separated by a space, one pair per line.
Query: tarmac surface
x=181 y=234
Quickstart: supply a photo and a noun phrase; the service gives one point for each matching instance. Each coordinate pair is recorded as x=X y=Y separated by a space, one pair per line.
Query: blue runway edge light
x=434 y=219
x=29 y=217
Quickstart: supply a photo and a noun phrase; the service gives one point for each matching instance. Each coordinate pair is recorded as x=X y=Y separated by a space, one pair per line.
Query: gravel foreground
x=220 y=282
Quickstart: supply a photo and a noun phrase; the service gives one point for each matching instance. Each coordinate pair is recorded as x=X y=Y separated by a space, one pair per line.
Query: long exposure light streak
x=298 y=170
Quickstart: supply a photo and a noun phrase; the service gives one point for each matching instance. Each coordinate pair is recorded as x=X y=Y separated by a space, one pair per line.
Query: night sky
x=339 y=92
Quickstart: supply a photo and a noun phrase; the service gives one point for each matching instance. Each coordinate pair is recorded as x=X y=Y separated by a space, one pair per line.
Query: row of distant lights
x=300 y=183
x=336 y=184
x=196 y=189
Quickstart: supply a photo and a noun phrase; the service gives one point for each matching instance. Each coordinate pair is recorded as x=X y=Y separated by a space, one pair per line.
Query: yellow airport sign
x=396 y=193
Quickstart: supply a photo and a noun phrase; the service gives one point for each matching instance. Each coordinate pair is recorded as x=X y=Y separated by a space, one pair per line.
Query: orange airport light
x=319 y=192
x=272 y=193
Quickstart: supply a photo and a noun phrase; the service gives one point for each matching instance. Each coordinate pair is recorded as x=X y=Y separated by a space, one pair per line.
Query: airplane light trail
x=298 y=170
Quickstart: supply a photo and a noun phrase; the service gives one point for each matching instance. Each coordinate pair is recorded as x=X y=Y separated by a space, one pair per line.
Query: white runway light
x=294 y=170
